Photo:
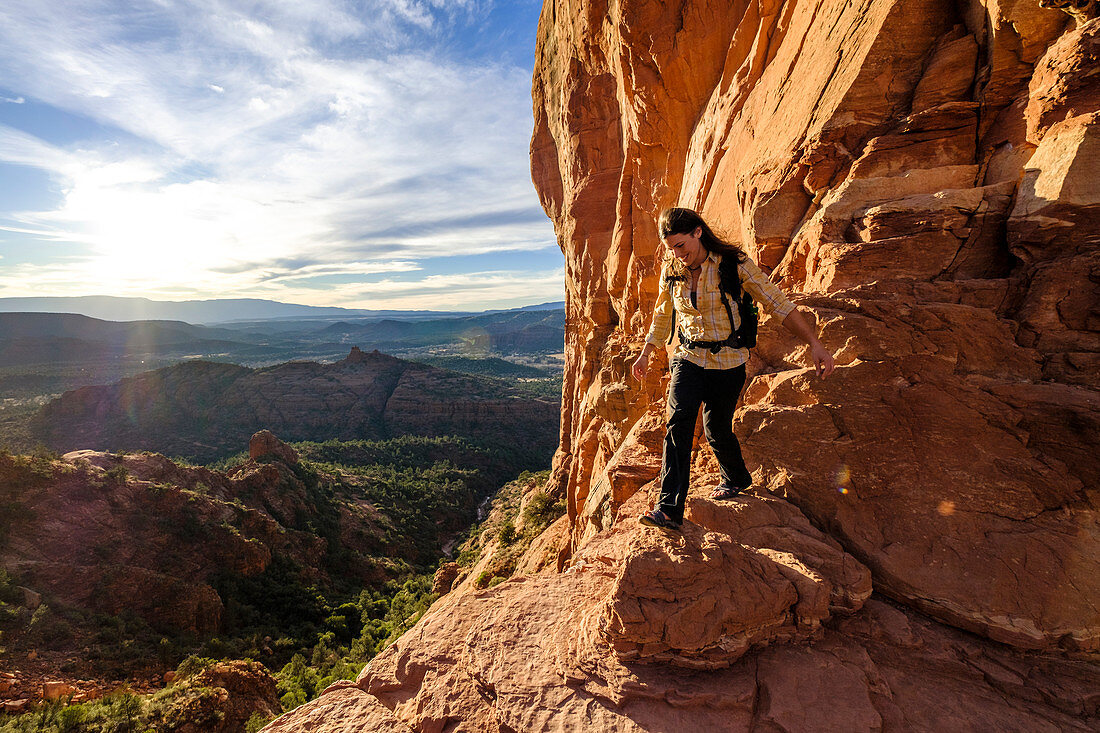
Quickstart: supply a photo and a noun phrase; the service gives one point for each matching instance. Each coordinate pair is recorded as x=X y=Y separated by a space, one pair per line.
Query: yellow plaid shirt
x=709 y=321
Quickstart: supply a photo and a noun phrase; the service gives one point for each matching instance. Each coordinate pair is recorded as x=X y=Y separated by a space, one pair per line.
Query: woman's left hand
x=823 y=360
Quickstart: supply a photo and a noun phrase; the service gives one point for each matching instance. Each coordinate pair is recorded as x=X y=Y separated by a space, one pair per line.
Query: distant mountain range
x=36 y=339
x=65 y=338
x=518 y=331
x=111 y=308
x=44 y=354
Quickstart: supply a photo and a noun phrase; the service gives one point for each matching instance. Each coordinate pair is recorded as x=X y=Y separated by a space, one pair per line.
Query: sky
x=354 y=153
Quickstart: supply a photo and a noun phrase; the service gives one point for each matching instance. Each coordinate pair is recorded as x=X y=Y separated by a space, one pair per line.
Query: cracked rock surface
x=532 y=654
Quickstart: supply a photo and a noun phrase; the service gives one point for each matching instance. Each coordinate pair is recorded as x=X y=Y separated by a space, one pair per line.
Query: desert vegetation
x=308 y=625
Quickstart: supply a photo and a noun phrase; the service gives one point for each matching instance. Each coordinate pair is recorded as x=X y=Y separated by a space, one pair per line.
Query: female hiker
x=708 y=366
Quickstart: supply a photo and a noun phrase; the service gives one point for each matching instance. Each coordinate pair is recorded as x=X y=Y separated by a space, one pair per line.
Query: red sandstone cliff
x=923 y=177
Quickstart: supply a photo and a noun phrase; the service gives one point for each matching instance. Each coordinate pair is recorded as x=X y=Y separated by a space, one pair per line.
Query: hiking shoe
x=657 y=518
x=724 y=493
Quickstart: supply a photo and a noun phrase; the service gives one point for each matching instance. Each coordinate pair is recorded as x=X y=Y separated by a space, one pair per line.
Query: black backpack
x=729 y=283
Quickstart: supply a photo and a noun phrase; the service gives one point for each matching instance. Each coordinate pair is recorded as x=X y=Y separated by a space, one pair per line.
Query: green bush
x=116 y=475
x=297 y=683
x=540 y=512
x=117 y=713
x=49 y=629
x=468 y=555
x=9 y=591
x=256 y=722
x=192 y=666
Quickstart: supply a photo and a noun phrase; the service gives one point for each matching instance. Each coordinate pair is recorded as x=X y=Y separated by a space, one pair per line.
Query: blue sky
x=357 y=153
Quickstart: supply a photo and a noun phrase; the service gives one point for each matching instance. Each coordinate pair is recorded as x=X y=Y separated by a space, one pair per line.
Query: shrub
x=48 y=629
x=117 y=475
x=541 y=511
x=45 y=453
x=9 y=592
x=468 y=556
x=257 y=722
x=297 y=683
x=192 y=666
x=507 y=533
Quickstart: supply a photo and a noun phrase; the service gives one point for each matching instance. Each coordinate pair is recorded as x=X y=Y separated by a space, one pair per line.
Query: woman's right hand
x=641 y=365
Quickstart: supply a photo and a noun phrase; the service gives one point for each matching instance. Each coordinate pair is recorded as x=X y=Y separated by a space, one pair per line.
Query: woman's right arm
x=659 y=329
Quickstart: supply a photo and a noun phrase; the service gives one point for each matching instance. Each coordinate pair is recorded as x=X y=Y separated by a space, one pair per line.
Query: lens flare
x=843 y=479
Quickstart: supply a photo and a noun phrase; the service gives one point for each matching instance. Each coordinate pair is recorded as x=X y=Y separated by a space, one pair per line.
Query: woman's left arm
x=772 y=299
x=796 y=323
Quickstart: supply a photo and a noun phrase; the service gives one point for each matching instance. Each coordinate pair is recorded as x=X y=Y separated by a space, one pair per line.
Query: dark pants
x=717 y=391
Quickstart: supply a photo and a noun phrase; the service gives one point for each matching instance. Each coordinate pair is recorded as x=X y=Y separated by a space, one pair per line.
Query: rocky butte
x=205 y=410
x=921 y=549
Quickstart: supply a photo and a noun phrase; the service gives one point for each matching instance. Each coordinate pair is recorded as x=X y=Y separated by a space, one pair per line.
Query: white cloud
x=16 y=100
x=331 y=139
x=23 y=149
x=471 y=291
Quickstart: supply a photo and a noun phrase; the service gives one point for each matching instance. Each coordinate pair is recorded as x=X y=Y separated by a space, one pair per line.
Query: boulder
x=16 y=707
x=264 y=444
x=53 y=690
x=747 y=573
x=444 y=578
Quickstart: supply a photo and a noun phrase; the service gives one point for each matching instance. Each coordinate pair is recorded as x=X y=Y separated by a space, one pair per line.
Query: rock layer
x=919 y=175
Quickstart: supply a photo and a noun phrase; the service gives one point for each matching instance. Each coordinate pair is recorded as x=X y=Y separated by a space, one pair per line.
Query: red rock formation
x=138 y=533
x=223 y=697
x=531 y=654
x=206 y=410
x=921 y=176
x=740 y=575
x=264 y=444
x=917 y=174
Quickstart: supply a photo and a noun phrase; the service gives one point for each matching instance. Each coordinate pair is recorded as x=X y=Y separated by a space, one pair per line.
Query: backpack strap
x=729 y=281
x=669 y=279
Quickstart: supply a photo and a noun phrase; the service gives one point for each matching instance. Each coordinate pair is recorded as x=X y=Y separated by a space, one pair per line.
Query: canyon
x=921 y=546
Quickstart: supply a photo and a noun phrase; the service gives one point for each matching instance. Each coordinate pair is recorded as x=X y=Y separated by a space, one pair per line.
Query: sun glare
x=180 y=234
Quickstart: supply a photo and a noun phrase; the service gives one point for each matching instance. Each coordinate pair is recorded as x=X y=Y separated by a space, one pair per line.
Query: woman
x=708 y=367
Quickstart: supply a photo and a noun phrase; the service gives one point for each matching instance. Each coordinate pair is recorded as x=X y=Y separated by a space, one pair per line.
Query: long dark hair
x=684 y=221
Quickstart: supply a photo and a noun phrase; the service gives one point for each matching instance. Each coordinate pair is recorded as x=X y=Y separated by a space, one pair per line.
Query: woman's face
x=687 y=248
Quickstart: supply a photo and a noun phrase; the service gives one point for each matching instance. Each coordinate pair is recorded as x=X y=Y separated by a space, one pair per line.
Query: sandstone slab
x=525 y=655
x=750 y=572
